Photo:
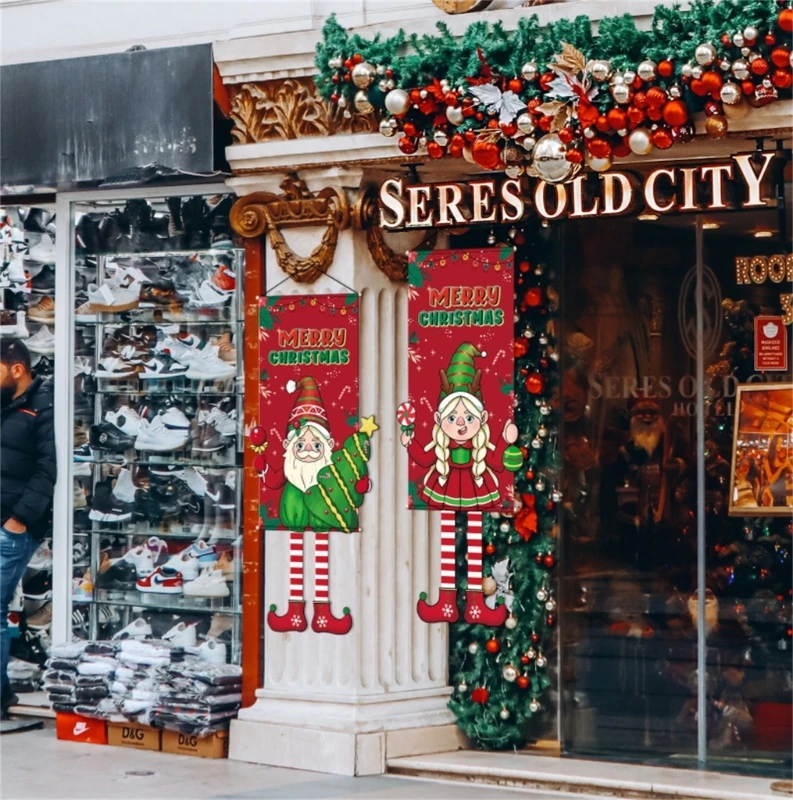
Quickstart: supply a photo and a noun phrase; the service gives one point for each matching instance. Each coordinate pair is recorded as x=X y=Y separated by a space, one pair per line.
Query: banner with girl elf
x=457 y=422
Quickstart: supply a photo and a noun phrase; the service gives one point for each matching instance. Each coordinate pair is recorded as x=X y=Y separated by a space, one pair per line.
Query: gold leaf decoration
x=551 y=108
x=571 y=58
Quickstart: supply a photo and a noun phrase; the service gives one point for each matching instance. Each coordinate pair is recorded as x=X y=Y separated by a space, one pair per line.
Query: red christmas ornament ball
x=535 y=383
x=713 y=108
x=621 y=150
x=635 y=116
x=782 y=79
x=492 y=645
x=675 y=113
x=434 y=150
x=617 y=118
x=490 y=549
x=515 y=85
x=524 y=659
x=599 y=147
x=780 y=57
x=533 y=297
x=521 y=347
x=538 y=559
x=408 y=145
x=770 y=39
x=357 y=58
x=747 y=88
x=698 y=88
x=640 y=100
x=602 y=124
x=550 y=620
x=785 y=20
x=259 y=462
x=522 y=681
x=409 y=129
x=480 y=695
x=759 y=66
x=549 y=560
x=529 y=474
x=535 y=638
x=712 y=80
x=656 y=97
x=662 y=139
x=363 y=485
x=258 y=436
x=574 y=156
x=665 y=69
x=566 y=135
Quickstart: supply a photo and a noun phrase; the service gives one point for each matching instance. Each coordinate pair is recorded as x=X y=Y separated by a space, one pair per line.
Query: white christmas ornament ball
x=441 y=138
x=597 y=165
x=738 y=40
x=504 y=713
x=473 y=648
x=511 y=622
x=621 y=93
x=525 y=123
x=462 y=687
x=455 y=115
x=687 y=70
x=750 y=33
x=528 y=144
x=697 y=72
x=534 y=706
x=740 y=69
x=640 y=141
x=705 y=54
x=397 y=102
x=509 y=673
x=541 y=661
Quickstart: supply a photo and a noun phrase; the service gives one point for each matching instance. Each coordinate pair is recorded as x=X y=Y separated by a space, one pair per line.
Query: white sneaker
x=124 y=489
x=18 y=600
x=82 y=366
x=161 y=368
x=16 y=270
x=175 y=419
x=137 y=629
x=212 y=651
x=207 y=366
x=209 y=296
x=181 y=635
x=114 y=368
x=186 y=563
x=42 y=341
x=210 y=583
x=225 y=424
x=42 y=558
x=155 y=437
x=18 y=329
x=44 y=251
x=181 y=350
x=117 y=294
x=141 y=558
x=195 y=481
x=126 y=419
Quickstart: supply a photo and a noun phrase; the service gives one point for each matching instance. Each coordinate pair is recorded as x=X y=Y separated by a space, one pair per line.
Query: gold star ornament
x=368 y=426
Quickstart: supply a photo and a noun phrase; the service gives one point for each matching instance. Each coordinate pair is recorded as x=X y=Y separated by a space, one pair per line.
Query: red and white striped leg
x=295 y=617
x=324 y=621
x=445 y=609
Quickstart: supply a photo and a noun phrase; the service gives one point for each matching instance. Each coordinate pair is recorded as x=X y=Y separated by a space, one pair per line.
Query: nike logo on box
x=80 y=728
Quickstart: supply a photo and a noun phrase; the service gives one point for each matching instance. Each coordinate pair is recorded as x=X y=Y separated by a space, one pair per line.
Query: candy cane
x=428 y=404
x=344 y=391
x=498 y=355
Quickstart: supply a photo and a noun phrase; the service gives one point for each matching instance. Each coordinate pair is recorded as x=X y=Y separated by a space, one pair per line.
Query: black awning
x=79 y=120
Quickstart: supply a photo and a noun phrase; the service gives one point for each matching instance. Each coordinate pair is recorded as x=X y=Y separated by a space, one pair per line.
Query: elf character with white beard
x=321 y=490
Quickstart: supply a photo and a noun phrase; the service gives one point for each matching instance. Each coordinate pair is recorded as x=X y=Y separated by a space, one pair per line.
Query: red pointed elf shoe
x=293 y=620
x=444 y=610
x=477 y=613
x=325 y=622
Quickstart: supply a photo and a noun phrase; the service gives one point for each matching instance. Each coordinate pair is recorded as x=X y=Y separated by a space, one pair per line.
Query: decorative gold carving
x=267 y=213
x=290 y=108
x=365 y=217
x=461 y=6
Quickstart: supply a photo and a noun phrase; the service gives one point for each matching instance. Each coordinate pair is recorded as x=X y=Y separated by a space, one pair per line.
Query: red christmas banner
x=457 y=422
x=312 y=450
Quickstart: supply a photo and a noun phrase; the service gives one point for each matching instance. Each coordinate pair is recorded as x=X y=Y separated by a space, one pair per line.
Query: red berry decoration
x=408 y=145
x=533 y=297
x=782 y=79
x=675 y=113
x=780 y=57
x=480 y=695
x=665 y=69
x=535 y=383
x=521 y=347
x=492 y=645
x=759 y=66
x=785 y=20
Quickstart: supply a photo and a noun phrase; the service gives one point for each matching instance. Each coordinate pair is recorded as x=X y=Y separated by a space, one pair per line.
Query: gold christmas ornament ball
x=509 y=673
x=397 y=102
x=455 y=115
x=386 y=128
x=489 y=585
x=640 y=141
x=363 y=74
x=597 y=164
x=705 y=54
x=468 y=154
x=600 y=70
x=730 y=93
x=716 y=126
x=646 y=70
x=525 y=123
x=550 y=162
x=362 y=104
x=529 y=71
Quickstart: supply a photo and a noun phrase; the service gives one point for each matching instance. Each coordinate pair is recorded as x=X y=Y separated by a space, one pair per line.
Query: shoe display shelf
x=158 y=444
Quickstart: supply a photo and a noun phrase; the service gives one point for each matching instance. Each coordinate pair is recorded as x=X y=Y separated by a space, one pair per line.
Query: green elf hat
x=462 y=377
x=308 y=407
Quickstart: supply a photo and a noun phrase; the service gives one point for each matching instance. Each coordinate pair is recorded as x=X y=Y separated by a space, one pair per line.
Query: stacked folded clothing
x=23 y=675
x=198 y=698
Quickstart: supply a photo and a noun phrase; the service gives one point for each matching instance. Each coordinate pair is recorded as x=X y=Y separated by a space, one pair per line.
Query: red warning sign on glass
x=770 y=344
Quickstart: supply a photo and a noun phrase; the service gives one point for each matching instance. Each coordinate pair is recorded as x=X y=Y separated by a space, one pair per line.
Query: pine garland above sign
x=549 y=99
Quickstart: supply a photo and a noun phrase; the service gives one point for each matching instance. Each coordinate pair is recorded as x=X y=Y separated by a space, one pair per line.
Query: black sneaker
x=87 y=231
x=208 y=440
x=106 y=507
x=106 y=436
x=83 y=453
x=44 y=282
x=38 y=586
x=34 y=220
x=122 y=575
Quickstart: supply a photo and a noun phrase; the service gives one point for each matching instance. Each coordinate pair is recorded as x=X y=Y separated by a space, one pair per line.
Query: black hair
x=14 y=351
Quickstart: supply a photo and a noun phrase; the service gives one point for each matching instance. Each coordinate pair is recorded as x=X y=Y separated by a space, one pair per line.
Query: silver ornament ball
x=534 y=706
x=511 y=622
x=740 y=69
x=686 y=70
x=550 y=162
x=335 y=63
x=545 y=409
x=509 y=673
x=504 y=527
x=529 y=71
x=525 y=123
x=640 y=141
x=542 y=595
x=504 y=713
x=536 y=443
x=542 y=431
x=462 y=687
x=556 y=496
x=597 y=164
x=455 y=115
x=629 y=76
x=473 y=648
x=386 y=128
x=730 y=93
x=646 y=70
x=697 y=72
x=528 y=144
x=541 y=661
x=705 y=54
x=738 y=40
x=363 y=74
x=621 y=93
x=550 y=605
x=675 y=92
x=362 y=104
x=382 y=86
x=750 y=33
x=441 y=138
x=600 y=70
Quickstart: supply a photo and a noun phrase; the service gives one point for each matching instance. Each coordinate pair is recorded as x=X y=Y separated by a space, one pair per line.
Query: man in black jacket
x=27 y=478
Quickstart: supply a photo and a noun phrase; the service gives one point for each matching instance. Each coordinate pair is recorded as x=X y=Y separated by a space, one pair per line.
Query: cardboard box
x=76 y=728
x=130 y=734
x=216 y=745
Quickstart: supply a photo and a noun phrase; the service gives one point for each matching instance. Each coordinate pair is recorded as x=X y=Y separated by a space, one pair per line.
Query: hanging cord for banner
x=323 y=272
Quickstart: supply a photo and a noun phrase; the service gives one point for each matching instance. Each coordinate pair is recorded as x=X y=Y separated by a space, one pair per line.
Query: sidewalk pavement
x=34 y=765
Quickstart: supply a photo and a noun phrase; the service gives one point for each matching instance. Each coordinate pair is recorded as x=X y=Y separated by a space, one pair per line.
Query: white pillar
x=343 y=704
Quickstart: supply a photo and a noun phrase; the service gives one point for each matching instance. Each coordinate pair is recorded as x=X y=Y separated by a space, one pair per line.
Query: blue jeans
x=16 y=550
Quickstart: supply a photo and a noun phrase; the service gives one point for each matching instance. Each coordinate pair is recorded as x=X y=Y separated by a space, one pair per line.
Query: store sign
x=770 y=345
x=741 y=183
x=761 y=269
x=460 y=373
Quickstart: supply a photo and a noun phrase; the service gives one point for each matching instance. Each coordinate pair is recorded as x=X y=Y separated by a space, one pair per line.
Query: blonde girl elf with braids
x=462 y=463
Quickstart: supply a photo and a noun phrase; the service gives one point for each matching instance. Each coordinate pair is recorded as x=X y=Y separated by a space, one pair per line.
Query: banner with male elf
x=457 y=421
